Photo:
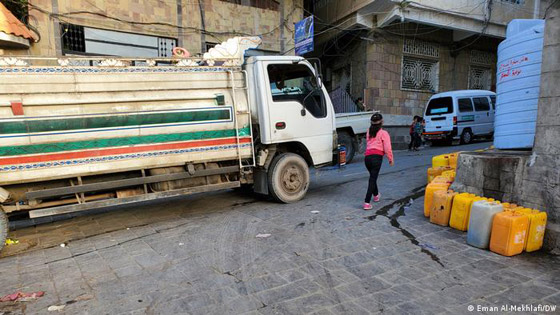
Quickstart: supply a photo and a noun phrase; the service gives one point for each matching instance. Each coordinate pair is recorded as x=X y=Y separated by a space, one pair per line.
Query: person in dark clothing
x=411 y=133
x=417 y=133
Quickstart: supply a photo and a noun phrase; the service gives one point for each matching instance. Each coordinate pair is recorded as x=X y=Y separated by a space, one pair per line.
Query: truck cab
x=290 y=105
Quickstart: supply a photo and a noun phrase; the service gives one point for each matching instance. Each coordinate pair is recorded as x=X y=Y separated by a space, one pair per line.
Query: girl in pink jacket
x=378 y=145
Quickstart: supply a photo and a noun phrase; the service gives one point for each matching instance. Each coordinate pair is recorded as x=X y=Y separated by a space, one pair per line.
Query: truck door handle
x=280 y=125
x=488 y=114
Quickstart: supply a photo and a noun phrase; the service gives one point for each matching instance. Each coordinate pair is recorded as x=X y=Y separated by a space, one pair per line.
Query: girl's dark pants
x=373 y=165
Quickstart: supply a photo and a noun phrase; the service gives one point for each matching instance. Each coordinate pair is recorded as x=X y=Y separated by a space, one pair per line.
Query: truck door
x=299 y=110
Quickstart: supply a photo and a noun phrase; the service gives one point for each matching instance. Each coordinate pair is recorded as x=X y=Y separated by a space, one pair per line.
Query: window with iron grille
x=480 y=78
x=73 y=39
x=261 y=4
x=420 y=74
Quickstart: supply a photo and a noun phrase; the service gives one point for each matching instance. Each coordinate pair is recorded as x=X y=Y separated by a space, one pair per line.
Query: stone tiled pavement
x=199 y=255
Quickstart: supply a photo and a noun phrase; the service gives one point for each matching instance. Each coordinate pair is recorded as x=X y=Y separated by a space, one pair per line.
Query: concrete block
x=549 y=111
x=547 y=140
x=549 y=83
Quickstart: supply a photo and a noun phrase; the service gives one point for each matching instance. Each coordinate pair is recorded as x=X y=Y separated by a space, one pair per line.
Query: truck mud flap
x=128 y=200
x=260 y=177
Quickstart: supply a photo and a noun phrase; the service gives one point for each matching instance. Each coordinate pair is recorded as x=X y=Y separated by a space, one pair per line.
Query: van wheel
x=466 y=136
x=288 y=178
x=3 y=228
x=350 y=143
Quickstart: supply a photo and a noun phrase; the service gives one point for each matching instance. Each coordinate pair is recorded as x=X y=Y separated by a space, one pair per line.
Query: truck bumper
x=441 y=135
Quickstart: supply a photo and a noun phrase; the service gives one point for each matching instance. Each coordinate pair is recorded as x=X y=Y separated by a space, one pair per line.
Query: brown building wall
x=179 y=19
x=384 y=72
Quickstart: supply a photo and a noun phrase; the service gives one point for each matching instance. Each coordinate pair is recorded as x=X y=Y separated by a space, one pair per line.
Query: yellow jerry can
x=453 y=157
x=537 y=227
x=460 y=211
x=449 y=174
x=509 y=232
x=441 y=207
x=429 y=195
x=440 y=160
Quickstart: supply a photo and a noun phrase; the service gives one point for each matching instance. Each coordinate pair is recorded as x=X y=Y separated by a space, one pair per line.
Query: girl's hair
x=376 y=123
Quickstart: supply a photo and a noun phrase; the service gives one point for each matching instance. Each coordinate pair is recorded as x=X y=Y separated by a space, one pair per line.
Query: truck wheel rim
x=292 y=179
x=467 y=137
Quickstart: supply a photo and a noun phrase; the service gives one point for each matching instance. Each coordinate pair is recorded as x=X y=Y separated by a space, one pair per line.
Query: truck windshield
x=438 y=106
x=296 y=82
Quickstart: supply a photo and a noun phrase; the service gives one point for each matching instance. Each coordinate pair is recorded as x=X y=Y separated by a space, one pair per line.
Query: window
x=261 y=4
x=73 y=39
x=465 y=105
x=210 y=46
x=83 y=40
x=493 y=100
x=420 y=74
x=438 y=106
x=481 y=104
x=290 y=82
x=480 y=78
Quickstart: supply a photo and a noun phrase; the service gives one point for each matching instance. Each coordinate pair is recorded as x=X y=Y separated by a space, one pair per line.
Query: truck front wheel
x=288 y=178
x=3 y=228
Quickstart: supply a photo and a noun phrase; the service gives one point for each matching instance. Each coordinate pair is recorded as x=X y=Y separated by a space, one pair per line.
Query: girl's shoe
x=367 y=206
x=376 y=198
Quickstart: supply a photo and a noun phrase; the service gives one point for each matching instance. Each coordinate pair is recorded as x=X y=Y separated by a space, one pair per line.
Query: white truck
x=84 y=133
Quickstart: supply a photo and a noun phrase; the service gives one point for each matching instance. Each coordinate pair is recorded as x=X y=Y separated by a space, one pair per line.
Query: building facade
x=152 y=28
x=396 y=54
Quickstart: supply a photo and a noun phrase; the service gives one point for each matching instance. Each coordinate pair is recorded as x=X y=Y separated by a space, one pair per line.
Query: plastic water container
x=449 y=174
x=453 y=157
x=537 y=227
x=429 y=195
x=509 y=232
x=518 y=82
x=480 y=222
x=475 y=199
x=440 y=160
x=441 y=207
x=460 y=211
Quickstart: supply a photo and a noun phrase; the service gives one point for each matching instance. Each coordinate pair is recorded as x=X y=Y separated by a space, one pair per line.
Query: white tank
x=480 y=222
x=518 y=82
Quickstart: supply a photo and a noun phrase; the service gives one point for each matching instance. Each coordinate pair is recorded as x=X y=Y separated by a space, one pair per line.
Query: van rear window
x=438 y=106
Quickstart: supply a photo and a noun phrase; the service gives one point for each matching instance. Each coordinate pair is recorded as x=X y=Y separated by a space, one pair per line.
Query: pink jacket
x=380 y=145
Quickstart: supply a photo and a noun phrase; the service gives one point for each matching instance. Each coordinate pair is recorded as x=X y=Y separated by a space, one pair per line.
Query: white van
x=460 y=115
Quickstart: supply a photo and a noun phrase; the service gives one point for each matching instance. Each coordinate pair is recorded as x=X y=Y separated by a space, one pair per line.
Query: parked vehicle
x=351 y=129
x=84 y=133
x=460 y=115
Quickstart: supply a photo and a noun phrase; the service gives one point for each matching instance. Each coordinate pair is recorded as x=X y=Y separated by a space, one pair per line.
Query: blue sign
x=304 y=36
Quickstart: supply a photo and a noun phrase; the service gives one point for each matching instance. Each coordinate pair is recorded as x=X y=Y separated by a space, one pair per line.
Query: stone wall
x=180 y=19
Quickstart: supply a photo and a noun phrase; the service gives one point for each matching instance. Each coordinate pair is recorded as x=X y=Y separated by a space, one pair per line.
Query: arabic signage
x=304 y=36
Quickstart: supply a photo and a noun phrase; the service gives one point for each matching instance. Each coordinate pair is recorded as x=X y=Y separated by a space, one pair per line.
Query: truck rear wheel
x=350 y=143
x=288 y=178
x=3 y=228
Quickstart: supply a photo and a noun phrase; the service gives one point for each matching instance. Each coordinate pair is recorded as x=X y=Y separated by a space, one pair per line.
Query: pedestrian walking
x=417 y=133
x=411 y=133
x=378 y=145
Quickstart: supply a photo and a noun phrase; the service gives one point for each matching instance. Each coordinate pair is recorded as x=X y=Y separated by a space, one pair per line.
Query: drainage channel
x=403 y=204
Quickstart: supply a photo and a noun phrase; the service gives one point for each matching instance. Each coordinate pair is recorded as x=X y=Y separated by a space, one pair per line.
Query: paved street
x=200 y=255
